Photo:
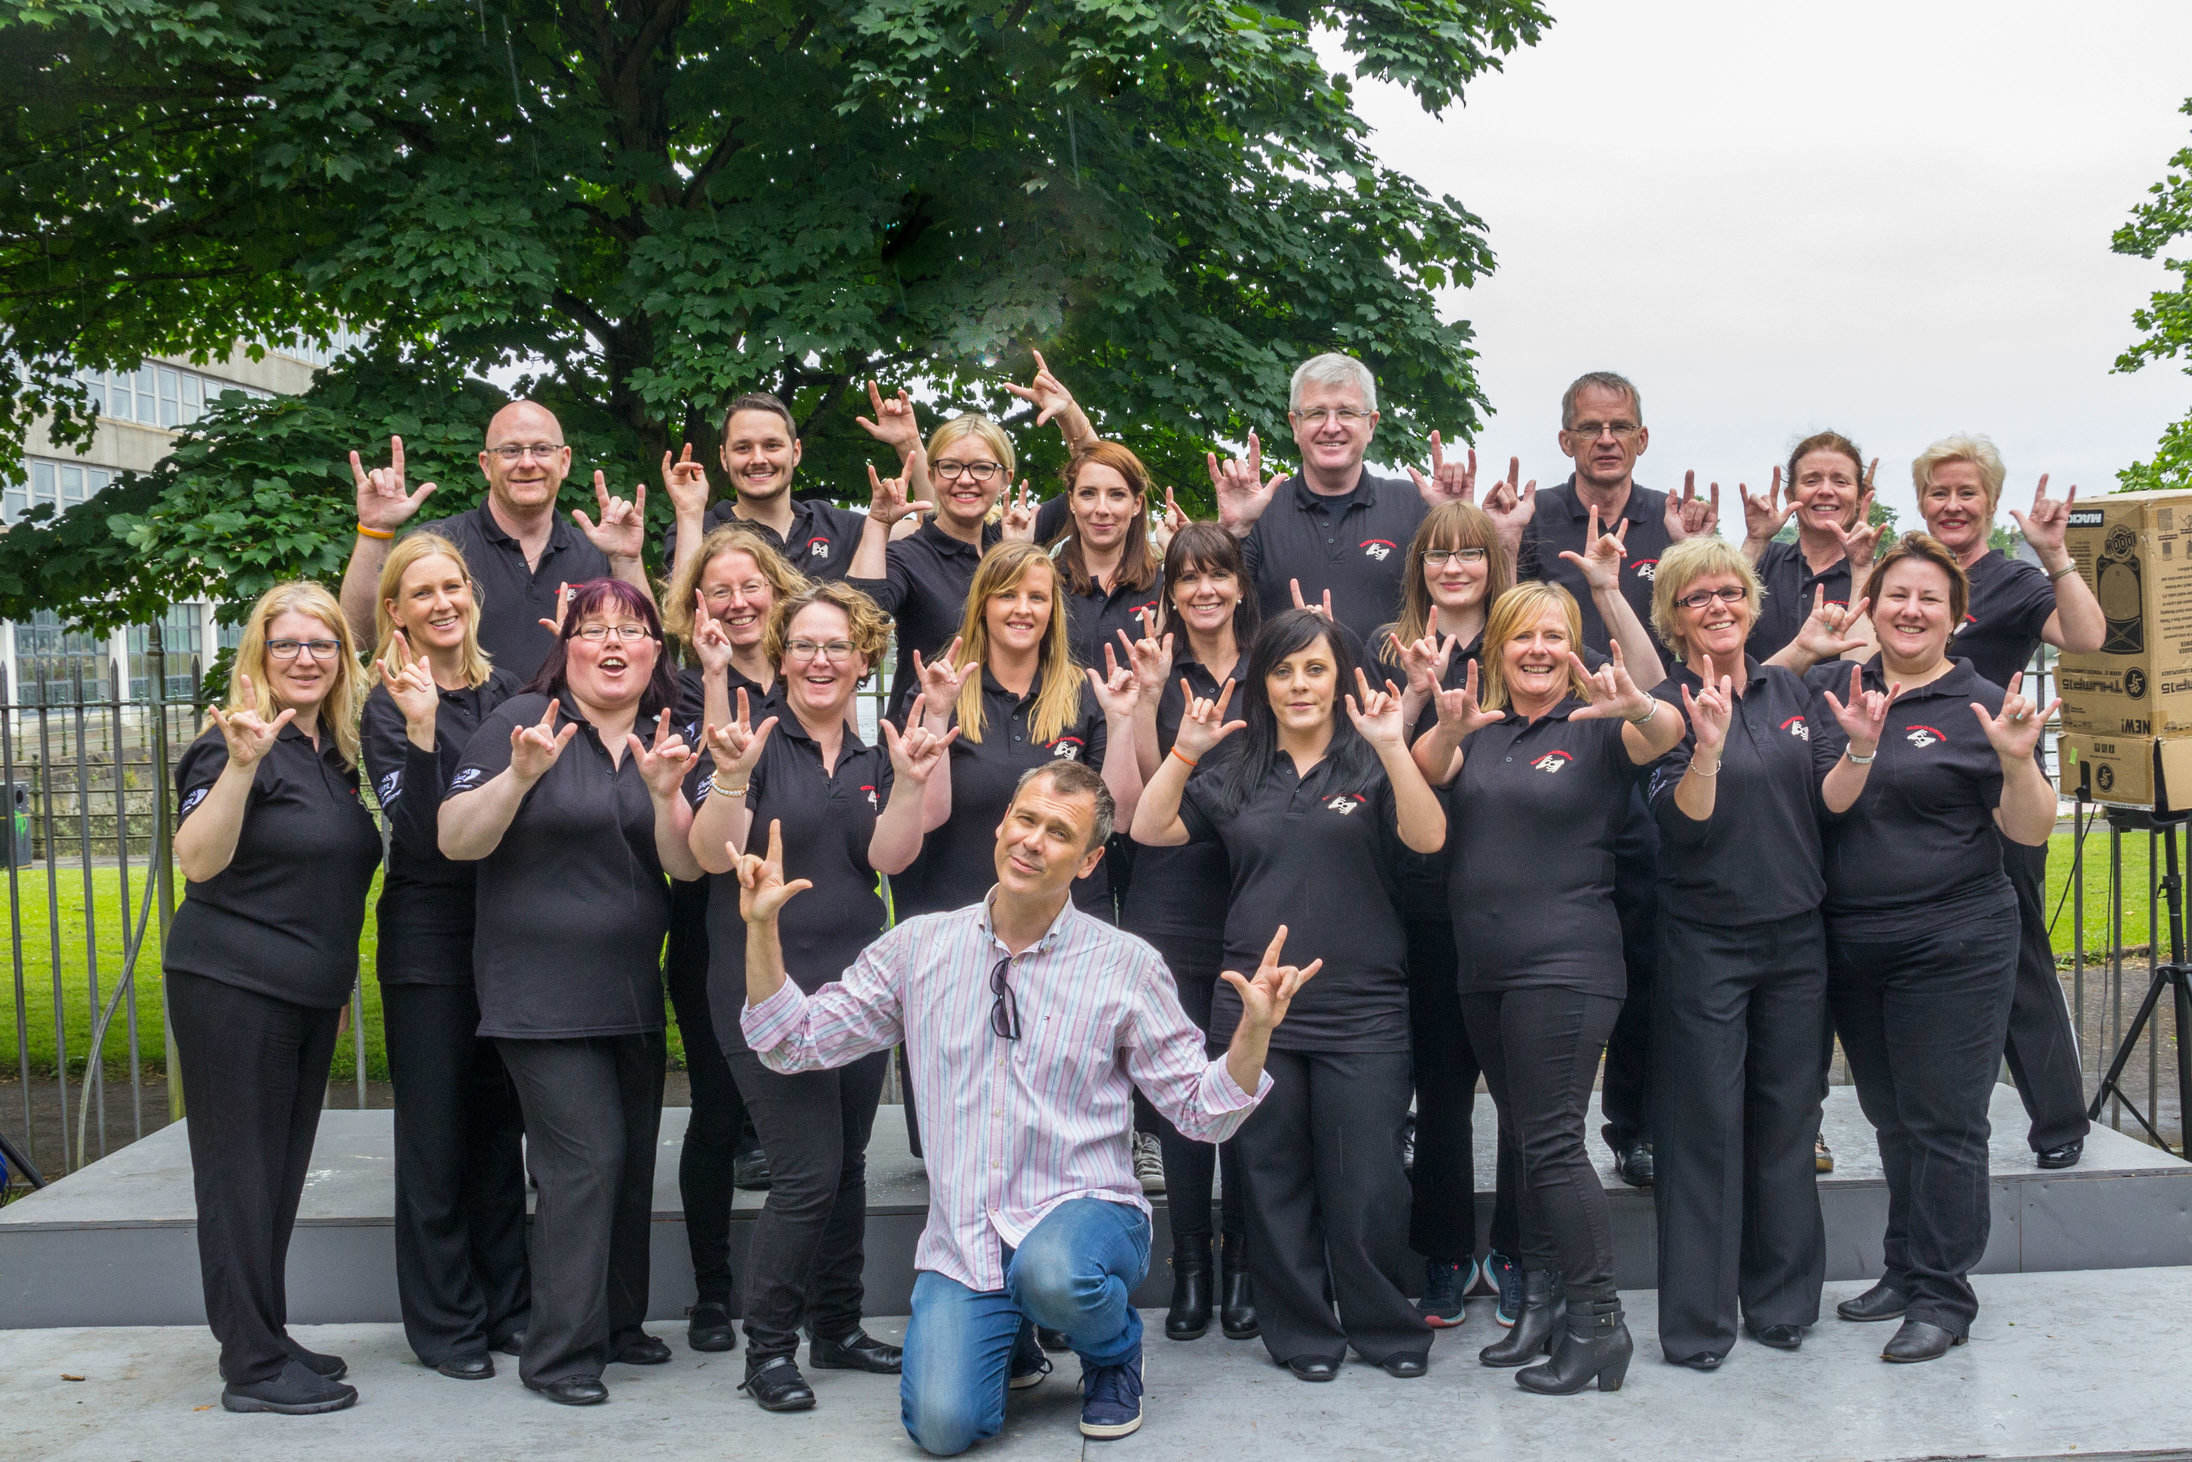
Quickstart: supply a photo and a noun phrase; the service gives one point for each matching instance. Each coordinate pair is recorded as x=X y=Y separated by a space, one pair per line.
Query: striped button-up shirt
x=1012 y=1128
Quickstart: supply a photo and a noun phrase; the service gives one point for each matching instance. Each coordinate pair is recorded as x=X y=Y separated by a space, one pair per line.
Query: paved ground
x=2059 y=1365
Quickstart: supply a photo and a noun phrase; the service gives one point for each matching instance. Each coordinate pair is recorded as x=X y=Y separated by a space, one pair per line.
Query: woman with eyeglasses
x=1315 y=805
x=277 y=852
x=848 y=811
x=577 y=827
x=460 y=1166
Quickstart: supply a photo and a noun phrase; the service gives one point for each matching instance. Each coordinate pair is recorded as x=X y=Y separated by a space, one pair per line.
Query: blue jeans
x=1076 y=1273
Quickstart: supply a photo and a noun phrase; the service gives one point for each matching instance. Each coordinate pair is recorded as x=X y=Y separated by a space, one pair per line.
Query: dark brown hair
x=1929 y=548
x=1138 y=566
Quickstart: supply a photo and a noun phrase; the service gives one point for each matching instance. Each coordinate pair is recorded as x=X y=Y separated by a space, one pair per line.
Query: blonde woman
x=460 y=1170
x=277 y=851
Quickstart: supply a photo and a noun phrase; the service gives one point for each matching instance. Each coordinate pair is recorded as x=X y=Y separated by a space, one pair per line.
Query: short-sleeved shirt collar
x=1365 y=491
x=1635 y=510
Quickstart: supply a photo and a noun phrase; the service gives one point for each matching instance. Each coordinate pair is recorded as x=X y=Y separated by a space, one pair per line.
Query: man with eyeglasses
x=1029 y=1025
x=519 y=551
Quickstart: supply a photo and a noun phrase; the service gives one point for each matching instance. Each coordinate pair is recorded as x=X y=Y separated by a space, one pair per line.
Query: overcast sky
x=1888 y=218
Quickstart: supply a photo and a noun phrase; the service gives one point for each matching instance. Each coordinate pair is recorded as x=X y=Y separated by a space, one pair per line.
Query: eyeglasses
x=1436 y=558
x=627 y=631
x=1004 y=1011
x=512 y=451
x=975 y=472
x=1726 y=594
x=1591 y=431
x=286 y=650
x=815 y=649
x=1318 y=416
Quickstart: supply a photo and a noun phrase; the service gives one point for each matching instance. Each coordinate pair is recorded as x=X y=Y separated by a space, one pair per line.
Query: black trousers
x=1922 y=1021
x=2043 y=1045
x=1320 y=1160
x=254 y=1078
x=1540 y=1049
x=460 y=1176
x=808 y=1249
x=1442 y=1215
x=1190 y=1167
x=1735 y=1037
x=1625 y=1097
x=593 y=1114
x=715 y=1132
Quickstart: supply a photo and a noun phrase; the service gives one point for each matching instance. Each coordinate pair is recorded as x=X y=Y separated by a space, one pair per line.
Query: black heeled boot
x=1236 y=1296
x=1533 y=1330
x=1597 y=1346
x=1189 y=1316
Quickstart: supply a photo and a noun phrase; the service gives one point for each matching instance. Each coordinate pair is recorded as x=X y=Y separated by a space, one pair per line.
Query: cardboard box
x=2129 y=771
x=2135 y=551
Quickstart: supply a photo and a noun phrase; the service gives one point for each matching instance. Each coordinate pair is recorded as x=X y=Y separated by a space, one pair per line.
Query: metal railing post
x=163 y=855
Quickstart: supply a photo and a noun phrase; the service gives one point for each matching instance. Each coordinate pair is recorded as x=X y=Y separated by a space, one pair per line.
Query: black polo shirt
x=926 y=578
x=425 y=909
x=1094 y=619
x=1562 y=522
x=958 y=861
x=819 y=545
x=1183 y=890
x=691 y=712
x=1789 y=583
x=828 y=819
x=1758 y=857
x=1355 y=544
x=1919 y=847
x=283 y=918
x=2009 y=607
x=1535 y=817
x=1317 y=854
x=513 y=599
x=573 y=903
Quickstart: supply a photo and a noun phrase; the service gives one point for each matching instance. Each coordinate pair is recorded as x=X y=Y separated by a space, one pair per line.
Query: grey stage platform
x=115 y=1243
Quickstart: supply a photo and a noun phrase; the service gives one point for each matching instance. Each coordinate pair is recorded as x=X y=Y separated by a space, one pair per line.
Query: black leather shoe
x=468 y=1367
x=750 y=1171
x=1052 y=1340
x=1594 y=1345
x=642 y=1350
x=1313 y=1368
x=326 y=1367
x=778 y=1386
x=1633 y=1165
x=1405 y=1367
x=297 y=1390
x=708 y=1327
x=1236 y=1297
x=858 y=1351
x=2065 y=1156
x=1704 y=1360
x=1532 y=1335
x=573 y=1391
x=1918 y=1341
x=1189 y=1315
x=1780 y=1337
x=511 y=1344
x=1882 y=1302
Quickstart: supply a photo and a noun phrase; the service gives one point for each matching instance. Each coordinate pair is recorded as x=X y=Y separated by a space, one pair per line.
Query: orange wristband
x=365 y=532
x=1183 y=756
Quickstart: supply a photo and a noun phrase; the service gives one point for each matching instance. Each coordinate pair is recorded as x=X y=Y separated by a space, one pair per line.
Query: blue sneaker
x=1111 y=1399
x=1506 y=1274
x=1029 y=1364
x=1443 y=1287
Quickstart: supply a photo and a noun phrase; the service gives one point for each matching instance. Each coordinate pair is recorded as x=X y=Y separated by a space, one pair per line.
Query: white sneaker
x=1148 y=1162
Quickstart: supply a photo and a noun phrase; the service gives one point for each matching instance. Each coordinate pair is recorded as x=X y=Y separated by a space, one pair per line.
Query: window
x=182 y=638
x=157 y=395
x=51 y=657
x=60 y=484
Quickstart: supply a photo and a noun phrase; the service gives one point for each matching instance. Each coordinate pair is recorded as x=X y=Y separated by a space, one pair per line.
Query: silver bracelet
x=1860 y=761
x=1646 y=718
x=1702 y=772
x=2064 y=571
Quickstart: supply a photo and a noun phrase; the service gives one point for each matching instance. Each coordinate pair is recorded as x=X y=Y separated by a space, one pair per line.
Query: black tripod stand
x=2172 y=977
x=19 y=1161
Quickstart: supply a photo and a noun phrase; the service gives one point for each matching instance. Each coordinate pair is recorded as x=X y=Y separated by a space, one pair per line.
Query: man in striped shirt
x=1028 y=1024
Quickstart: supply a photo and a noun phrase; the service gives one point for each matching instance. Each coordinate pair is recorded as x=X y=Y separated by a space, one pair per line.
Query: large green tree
x=2164 y=219
x=634 y=209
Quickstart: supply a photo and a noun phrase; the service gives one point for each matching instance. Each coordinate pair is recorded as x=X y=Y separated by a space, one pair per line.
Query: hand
x=534 y=748
x=410 y=685
x=942 y=679
x=1449 y=482
x=1149 y=657
x=2016 y=732
x=1866 y=714
x=888 y=500
x=1168 y=525
x=1238 y=483
x=1458 y=711
x=1824 y=634
x=1045 y=393
x=622 y=531
x=1377 y=715
x=1510 y=506
x=1858 y=543
x=1018 y=524
x=2043 y=527
x=686 y=481
x=1690 y=516
x=1265 y=998
x=1709 y=712
x=1609 y=689
x=711 y=641
x=737 y=746
x=248 y=736
x=554 y=623
x=1765 y=516
x=917 y=752
x=383 y=504
x=761 y=886
x=1601 y=560
x=1324 y=607
x=1204 y=725
x=663 y=765
x=894 y=424
x=1115 y=687
x=1424 y=662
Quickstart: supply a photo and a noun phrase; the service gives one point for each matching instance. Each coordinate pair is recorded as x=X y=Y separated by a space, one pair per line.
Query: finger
x=776 y=843
x=1689 y=486
x=1255 y=457
x=563 y=737
x=357 y=471
x=2014 y=682
x=1422 y=483
x=601 y=490
x=1714 y=501
x=1819 y=600
x=918 y=711
x=1293 y=587
x=1223 y=696
x=1438 y=453
x=548 y=717
x=586 y=524
x=662 y=728
x=1299 y=978
x=742 y=712
x=1275 y=948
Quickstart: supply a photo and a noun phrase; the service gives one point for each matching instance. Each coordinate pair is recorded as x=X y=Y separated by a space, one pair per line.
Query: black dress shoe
x=1633 y=1165
x=1704 y=1360
x=573 y=1390
x=1882 y=1302
x=326 y=1367
x=1780 y=1337
x=297 y=1390
x=1052 y=1340
x=750 y=1171
x=468 y=1367
x=1405 y=1367
x=858 y=1351
x=511 y=1344
x=642 y=1350
x=1313 y=1368
x=708 y=1327
x=1918 y=1341
x=1236 y=1302
x=776 y=1385
x=2065 y=1156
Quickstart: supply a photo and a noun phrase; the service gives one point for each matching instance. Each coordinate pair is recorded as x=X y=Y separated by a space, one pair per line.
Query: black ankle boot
x=1189 y=1316
x=1597 y=1345
x=1236 y=1296
x=1533 y=1330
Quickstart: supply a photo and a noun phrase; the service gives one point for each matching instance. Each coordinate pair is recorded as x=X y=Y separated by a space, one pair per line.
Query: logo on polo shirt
x=818 y=548
x=1552 y=761
x=1923 y=736
x=467 y=777
x=191 y=801
x=1646 y=567
x=391 y=787
x=1344 y=802
x=1067 y=747
x=1378 y=548
x=871 y=797
x=1797 y=726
